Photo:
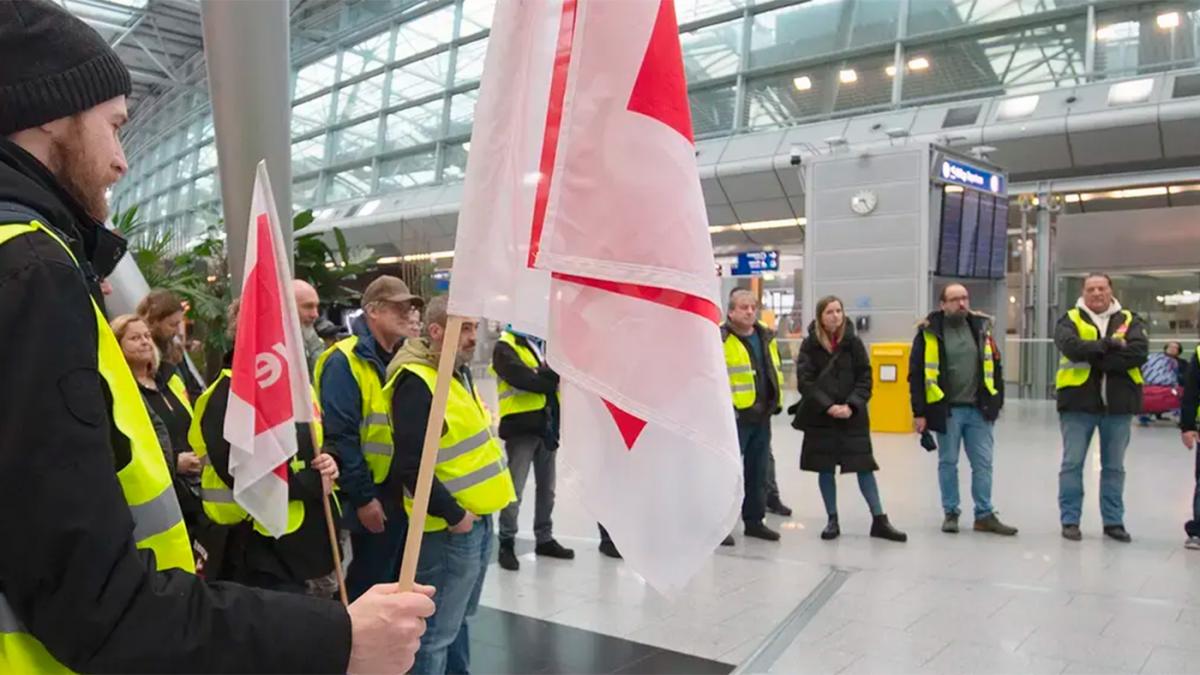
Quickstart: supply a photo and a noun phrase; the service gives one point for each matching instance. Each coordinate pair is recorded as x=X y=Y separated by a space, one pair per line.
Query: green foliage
x=329 y=268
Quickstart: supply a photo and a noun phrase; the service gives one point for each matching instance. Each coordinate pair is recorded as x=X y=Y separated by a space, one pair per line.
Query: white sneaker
x=1192 y=543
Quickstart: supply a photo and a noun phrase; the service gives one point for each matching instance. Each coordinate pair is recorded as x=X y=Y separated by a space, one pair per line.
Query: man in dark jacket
x=350 y=377
x=76 y=591
x=956 y=385
x=529 y=412
x=1099 y=384
x=1190 y=435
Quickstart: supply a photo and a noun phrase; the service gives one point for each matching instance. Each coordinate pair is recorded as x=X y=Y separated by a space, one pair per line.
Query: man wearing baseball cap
x=349 y=377
x=96 y=573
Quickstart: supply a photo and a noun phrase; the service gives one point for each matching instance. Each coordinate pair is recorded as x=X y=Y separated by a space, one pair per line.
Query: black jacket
x=829 y=442
x=1109 y=359
x=935 y=414
x=68 y=565
x=250 y=557
x=1191 y=395
x=542 y=380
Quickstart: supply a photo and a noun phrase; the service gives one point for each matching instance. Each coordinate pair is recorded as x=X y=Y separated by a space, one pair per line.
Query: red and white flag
x=269 y=391
x=582 y=178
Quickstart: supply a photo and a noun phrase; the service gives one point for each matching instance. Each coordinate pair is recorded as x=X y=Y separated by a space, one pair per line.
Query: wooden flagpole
x=433 y=434
x=330 y=525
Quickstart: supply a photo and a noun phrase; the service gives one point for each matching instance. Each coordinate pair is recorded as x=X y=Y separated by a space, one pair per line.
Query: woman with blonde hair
x=834 y=375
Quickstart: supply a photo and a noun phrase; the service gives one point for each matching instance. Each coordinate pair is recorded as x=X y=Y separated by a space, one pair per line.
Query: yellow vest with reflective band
x=215 y=495
x=740 y=365
x=470 y=463
x=177 y=387
x=933 y=366
x=515 y=401
x=1073 y=374
x=375 y=431
x=145 y=482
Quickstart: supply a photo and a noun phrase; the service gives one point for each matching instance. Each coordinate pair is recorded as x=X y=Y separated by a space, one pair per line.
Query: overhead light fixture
x=388 y=260
x=758 y=225
x=802 y=83
x=436 y=255
x=896 y=132
x=848 y=76
x=1131 y=91
x=1015 y=108
x=1167 y=20
x=1135 y=193
x=890 y=71
x=919 y=63
x=954 y=188
x=1177 y=189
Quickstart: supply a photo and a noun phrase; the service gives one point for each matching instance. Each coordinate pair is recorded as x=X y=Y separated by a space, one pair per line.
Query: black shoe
x=990 y=523
x=553 y=549
x=832 y=529
x=881 y=528
x=609 y=549
x=1117 y=532
x=776 y=506
x=508 y=557
x=760 y=531
x=728 y=540
x=1072 y=533
x=950 y=524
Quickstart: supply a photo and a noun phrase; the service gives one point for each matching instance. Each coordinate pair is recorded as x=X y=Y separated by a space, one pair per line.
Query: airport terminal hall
x=313 y=323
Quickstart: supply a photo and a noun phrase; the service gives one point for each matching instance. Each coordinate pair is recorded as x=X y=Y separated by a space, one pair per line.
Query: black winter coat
x=68 y=565
x=830 y=443
x=1110 y=363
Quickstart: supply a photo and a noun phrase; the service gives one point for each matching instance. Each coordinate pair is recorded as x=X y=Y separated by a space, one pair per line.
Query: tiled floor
x=966 y=603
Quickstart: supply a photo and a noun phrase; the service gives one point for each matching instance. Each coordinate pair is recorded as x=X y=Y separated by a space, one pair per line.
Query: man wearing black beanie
x=96 y=573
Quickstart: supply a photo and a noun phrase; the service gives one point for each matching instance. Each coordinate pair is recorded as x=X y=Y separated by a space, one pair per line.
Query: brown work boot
x=990 y=523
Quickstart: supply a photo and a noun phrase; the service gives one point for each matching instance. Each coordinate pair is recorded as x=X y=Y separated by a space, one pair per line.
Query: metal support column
x=1043 y=363
x=247 y=51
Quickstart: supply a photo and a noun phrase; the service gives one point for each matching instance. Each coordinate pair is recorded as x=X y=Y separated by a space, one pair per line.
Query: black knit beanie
x=52 y=65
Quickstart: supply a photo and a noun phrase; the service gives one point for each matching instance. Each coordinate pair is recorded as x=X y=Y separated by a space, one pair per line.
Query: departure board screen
x=951 y=224
x=967 y=234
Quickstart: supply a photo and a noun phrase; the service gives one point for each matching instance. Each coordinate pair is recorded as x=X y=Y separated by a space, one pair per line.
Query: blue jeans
x=866 y=484
x=455 y=564
x=375 y=557
x=965 y=425
x=755 y=440
x=1077 y=430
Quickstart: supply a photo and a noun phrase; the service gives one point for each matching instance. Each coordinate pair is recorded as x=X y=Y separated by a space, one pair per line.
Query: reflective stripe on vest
x=1076 y=374
x=177 y=387
x=515 y=401
x=375 y=432
x=933 y=366
x=470 y=463
x=740 y=366
x=145 y=481
x=215 y=495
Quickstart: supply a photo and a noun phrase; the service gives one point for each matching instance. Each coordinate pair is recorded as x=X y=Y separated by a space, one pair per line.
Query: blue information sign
x=755 y=262
x=967 y=175
x=441 y=280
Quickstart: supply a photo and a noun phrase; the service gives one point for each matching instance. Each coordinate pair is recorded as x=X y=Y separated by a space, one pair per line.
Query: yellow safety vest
x=375 y=431
x=470 y=463
x=933 y=366
x=215 y=495
x=145 y=482
x=741 y=371
x=1075 y=374
x=515 y=401
x=175 y=384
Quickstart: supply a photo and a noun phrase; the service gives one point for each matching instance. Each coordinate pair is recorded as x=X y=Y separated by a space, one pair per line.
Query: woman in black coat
x=834 y=373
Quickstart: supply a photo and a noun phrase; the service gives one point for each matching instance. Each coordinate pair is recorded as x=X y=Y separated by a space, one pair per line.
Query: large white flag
x=582 y=174
x=269 y=390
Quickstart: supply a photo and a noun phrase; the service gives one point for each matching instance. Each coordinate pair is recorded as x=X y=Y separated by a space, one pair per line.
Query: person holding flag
x=471 y=482
x=96 y=571
x=250 y=555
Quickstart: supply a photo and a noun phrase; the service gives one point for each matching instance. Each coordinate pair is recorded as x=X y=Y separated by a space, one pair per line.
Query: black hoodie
x=68 y=566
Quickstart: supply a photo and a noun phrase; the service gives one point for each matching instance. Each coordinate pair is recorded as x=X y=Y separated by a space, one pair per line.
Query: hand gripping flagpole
x=330 y=525
x=433 y=434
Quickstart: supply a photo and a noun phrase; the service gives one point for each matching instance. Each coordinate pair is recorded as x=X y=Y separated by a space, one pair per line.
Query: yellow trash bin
x=890 y=408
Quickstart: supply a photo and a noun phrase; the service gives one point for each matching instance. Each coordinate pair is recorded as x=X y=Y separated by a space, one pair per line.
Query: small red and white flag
x=583 y=222
x=269 y=390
